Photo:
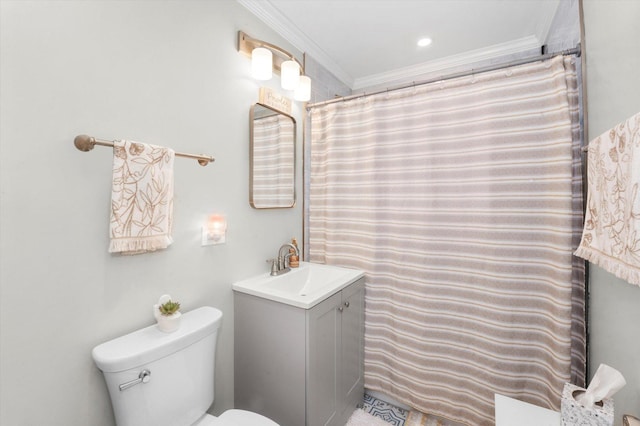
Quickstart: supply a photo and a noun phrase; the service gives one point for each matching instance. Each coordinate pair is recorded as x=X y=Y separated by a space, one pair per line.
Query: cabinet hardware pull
x=340 y=309
x=346 y=304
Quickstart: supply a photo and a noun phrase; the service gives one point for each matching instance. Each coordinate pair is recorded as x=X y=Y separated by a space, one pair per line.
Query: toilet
x=167 y=379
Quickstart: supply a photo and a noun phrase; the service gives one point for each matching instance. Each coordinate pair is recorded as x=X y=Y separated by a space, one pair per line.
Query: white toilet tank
x=180 y=385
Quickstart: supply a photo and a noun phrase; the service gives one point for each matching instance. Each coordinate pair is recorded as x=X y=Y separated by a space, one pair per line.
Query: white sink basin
x=303 y=287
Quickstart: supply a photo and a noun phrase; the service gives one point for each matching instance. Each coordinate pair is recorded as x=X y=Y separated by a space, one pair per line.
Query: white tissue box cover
x=575 y=414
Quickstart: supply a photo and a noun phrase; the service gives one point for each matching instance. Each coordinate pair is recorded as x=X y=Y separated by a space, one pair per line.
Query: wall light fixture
x=214 y=231
x=266 y=57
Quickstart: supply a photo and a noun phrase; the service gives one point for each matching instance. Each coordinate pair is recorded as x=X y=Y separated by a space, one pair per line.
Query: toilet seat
x=235 y=418
x=244 y=418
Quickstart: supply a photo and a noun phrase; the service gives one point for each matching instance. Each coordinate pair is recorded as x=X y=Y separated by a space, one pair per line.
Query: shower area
x=461 y=199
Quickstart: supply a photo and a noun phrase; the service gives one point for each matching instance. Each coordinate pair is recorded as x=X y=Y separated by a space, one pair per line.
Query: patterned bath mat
x=389 y=413
x=361 y=418
x=397 y=416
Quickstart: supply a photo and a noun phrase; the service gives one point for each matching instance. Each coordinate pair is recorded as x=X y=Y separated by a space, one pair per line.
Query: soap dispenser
x=294 y=259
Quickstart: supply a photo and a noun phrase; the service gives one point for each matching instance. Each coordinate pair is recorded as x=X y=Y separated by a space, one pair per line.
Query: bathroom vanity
x=300 y=361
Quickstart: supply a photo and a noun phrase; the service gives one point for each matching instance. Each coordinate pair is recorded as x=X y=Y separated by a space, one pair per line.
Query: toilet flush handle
x=143 y=377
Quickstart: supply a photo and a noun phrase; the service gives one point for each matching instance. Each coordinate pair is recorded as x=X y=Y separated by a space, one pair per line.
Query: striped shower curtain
x=462 y=202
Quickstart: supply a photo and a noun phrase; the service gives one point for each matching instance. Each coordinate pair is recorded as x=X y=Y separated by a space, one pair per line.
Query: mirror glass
x=272 y=159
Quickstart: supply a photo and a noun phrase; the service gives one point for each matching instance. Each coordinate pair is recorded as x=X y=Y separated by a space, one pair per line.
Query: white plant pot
x=167 y=323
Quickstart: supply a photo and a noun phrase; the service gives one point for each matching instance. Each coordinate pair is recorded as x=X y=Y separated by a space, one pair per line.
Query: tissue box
x=575 y=414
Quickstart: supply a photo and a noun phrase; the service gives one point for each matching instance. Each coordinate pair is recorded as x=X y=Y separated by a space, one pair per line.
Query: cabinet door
x=270 y=359
x=352 y=348
x=323 y=335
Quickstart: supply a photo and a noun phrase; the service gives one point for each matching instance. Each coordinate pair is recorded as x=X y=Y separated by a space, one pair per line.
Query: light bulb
x=290 y=75
x=303 y=91
x=261 y=63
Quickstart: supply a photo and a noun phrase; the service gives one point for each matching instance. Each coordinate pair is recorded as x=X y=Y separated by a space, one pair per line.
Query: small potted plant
x=167 y=314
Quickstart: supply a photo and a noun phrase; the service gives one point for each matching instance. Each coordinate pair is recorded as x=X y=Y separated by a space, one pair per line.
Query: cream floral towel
x=141 y=198
x=611 y=236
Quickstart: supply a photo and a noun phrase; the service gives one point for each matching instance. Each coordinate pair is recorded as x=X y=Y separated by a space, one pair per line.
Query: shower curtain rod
x=573 y=51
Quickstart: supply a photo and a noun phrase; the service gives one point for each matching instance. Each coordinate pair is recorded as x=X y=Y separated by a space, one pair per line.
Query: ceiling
x=365 y=43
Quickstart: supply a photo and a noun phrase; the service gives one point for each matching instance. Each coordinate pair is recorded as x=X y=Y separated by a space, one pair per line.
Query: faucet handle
x=274 y=266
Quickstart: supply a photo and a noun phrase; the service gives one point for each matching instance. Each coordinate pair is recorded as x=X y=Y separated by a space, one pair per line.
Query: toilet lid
x=236 y=418
x=244 y=418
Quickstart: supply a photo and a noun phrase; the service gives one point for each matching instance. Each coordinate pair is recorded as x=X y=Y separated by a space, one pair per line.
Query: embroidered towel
x=141 y=198
x=611 y=236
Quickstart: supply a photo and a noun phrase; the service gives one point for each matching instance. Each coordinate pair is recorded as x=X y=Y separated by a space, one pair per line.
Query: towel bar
x=86 y=143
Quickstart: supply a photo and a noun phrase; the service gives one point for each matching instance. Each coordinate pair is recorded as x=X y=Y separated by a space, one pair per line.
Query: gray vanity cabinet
x=300 y=366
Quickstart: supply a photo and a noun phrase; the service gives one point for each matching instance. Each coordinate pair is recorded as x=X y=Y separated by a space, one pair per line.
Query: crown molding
x=415 y=72
x=270 y=15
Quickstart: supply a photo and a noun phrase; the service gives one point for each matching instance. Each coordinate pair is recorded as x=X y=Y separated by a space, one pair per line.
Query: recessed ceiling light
x=424 y=42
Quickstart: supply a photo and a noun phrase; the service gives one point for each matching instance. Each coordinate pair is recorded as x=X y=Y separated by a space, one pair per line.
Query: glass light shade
x=290 y=75
x=303 y=91
x=261 y=63
x=214 y=230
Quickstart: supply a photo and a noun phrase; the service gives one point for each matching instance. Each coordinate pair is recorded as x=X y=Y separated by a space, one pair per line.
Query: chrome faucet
x=280 y=264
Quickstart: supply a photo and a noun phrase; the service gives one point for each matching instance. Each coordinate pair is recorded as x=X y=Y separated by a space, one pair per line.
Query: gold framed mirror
x=272 y=161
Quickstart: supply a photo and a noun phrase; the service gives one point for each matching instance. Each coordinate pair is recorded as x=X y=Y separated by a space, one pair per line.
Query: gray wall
x=163 y=72
x=325 y=85
x=612 y=46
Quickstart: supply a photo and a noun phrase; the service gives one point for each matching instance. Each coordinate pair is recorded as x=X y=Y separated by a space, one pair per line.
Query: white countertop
x=302 y=287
